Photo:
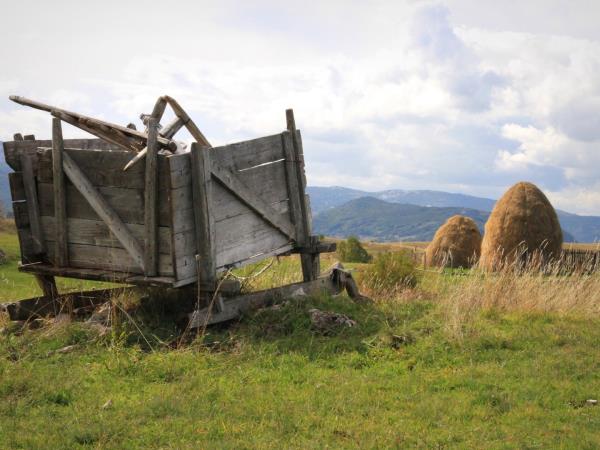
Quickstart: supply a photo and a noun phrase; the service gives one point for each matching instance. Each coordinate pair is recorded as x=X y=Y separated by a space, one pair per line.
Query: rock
x=591 y=402
x=326 y=321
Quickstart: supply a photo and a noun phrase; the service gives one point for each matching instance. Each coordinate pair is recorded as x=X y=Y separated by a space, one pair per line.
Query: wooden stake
x=203 y=217
x=60 y=206
x=310 y=262
x=33 y=209
x=150 y=201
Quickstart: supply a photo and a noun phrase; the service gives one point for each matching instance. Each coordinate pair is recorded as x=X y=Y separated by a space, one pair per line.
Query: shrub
x=351 y=250
x=390 y=272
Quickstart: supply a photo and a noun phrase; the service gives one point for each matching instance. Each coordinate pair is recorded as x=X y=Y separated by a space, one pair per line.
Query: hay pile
x=457 y=243
x=523 y=227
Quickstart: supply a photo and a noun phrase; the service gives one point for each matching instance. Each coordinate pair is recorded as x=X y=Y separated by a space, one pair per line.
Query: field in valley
x=462 y=360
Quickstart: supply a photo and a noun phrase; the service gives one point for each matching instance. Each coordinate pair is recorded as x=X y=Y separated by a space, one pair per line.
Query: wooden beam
x=103 y=209
x=33 y=209
x=60 y=205
x=336 y=281
x=48 y=286
x=237 y=187
x=168 y=131
x=203 y=217
x=127 y=131
x=187 y=121
x=302 y=221
x=102 y=135
x=150 y=201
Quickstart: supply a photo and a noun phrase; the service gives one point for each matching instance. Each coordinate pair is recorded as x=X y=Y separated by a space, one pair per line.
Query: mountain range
x=397 y=215
x=392 y=215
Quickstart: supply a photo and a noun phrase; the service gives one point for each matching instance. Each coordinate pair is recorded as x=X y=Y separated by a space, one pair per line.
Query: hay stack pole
x=457 y=243
x=522 y=226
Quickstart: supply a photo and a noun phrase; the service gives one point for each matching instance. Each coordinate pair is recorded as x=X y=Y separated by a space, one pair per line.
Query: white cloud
x=403 y=95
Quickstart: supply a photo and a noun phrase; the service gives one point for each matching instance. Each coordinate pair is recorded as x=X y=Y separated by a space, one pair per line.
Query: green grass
x=398 y=379
x=15 y=285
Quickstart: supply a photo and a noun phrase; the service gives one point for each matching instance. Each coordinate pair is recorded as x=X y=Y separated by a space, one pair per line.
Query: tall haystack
x=523 y=226
x=457 y=243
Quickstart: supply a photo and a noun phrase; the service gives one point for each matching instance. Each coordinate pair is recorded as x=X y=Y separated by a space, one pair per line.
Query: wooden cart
x=87 y=208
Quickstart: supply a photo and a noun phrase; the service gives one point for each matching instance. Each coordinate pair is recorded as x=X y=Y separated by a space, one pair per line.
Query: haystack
x=456 y=243
x=522 y=227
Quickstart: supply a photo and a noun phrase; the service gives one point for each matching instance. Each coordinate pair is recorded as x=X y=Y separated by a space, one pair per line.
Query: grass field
x=461 y=361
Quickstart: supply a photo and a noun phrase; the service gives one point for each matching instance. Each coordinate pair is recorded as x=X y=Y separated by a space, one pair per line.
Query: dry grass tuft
x=518 y=289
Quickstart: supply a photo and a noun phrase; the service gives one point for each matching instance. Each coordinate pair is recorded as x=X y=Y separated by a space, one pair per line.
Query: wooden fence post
x=58 y=184
x=150 y=201
x=203 y=217
x=302 y=221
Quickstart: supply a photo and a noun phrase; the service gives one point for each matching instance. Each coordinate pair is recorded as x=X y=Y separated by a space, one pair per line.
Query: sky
x=461 y=96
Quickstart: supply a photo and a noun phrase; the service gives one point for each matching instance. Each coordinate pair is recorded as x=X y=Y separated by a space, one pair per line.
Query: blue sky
x=463 y=96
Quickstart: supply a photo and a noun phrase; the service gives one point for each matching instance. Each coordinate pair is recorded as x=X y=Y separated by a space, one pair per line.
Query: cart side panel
x=91 y=244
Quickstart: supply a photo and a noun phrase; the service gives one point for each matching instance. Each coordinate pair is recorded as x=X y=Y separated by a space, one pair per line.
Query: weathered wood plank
x=243 y=155
x=48 y=285
x=302 y=220
x=103 y=209
x=98 y=275
x=187 y=121
x=293 y=188
x=203 y=216
x=60 y=206
x=95 y=232
x=103 y=168
x=127 y=203
x=109 y=258
x=150 y=199
x=32 y=203
x=231 y=181
x=17 y=189
x=89 y=121
x=13 y=149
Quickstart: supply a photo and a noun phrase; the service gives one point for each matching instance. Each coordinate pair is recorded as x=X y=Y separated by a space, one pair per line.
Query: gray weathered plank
x=203 y=216
x=103 y=168
x=302 y=220
x=243 y=155
x=232 y=182
x=127 y=203
x=104 y=210
x=109 y=258
x=150 y=199
x=13 y=149
x=32 y=203
x=60 y=206
x=95 y=232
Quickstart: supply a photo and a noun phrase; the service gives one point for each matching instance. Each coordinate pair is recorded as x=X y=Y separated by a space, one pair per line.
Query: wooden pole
x=310 y=262
x=58 y=184
x=150 y=201
x=33 y=209
x=203 y=217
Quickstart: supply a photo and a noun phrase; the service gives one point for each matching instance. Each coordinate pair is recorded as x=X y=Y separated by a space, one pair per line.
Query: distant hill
x=323 y=198
x=371 y=218
x=327 y=200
